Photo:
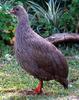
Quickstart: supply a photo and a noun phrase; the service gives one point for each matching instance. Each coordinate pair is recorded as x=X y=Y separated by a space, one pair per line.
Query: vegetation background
x=47 y=17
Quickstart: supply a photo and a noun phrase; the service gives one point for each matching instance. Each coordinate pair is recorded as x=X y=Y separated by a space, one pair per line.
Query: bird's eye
x=17 y=9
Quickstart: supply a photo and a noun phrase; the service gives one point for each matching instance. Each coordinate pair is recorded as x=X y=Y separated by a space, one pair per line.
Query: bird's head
x=21 y=14
x=18 y=10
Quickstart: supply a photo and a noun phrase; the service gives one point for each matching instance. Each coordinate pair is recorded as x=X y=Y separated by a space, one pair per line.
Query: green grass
x=13 y=79
x=69 y=49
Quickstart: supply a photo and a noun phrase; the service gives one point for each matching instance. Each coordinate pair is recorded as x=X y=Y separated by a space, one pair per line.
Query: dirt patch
x=10 y=91
x=30 y=92
x=25 y=92
x=73 y=97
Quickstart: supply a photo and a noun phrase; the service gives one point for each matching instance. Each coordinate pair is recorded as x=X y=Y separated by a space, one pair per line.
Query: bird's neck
x=24 y=20
x=22 y=28
x=22 y=31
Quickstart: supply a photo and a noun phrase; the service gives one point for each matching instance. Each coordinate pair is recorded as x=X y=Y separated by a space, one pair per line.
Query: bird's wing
x=49 y=58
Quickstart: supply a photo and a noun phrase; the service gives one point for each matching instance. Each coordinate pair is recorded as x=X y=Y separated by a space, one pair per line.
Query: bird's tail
x=65 y=84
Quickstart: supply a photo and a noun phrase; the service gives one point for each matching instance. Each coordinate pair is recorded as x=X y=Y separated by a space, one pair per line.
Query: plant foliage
x=7 y=22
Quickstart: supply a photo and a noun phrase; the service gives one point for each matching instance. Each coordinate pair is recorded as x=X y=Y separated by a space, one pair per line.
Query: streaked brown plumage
x=36 y=55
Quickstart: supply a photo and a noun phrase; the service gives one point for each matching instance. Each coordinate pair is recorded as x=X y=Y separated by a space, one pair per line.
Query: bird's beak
x=12 y=11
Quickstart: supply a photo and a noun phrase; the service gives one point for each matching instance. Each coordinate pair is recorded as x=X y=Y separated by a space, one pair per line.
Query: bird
x=36 y=55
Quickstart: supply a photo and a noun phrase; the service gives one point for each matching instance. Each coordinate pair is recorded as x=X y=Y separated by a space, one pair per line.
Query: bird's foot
x=38 y=89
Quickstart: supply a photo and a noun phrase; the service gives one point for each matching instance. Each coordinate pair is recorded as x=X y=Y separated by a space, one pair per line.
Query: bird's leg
x=38 y=89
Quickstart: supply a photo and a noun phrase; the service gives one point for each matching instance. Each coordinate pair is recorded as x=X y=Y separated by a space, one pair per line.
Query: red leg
x=38 y=89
